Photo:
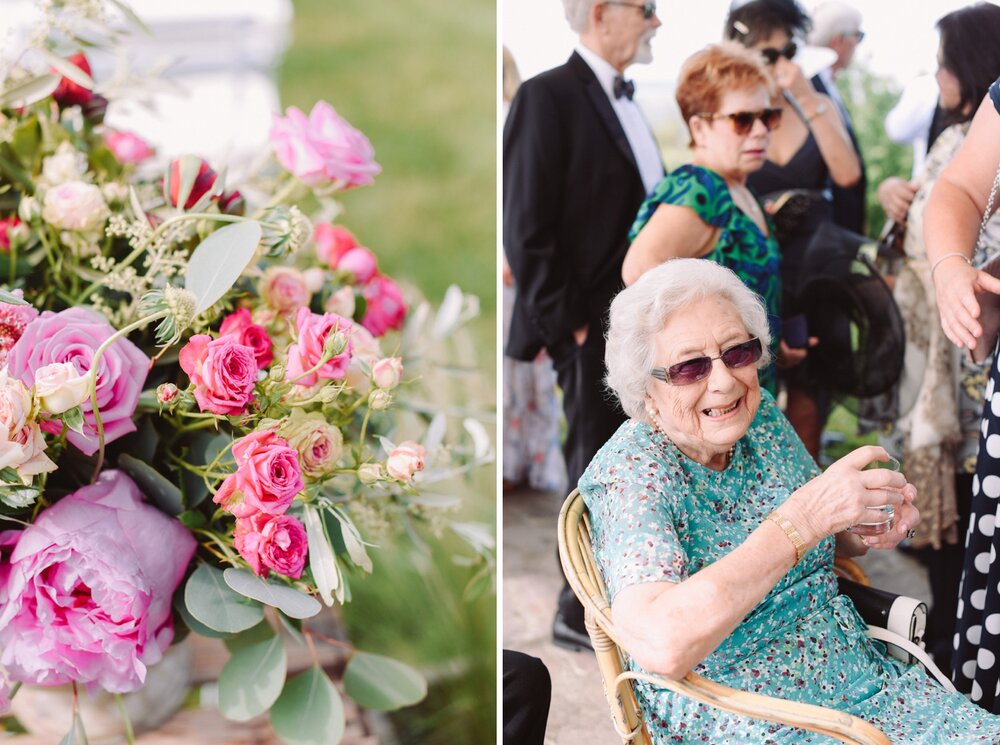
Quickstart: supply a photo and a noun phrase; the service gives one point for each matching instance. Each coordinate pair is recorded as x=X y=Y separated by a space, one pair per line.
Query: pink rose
x=387 y=372
x=386 y=309
x=241 y=327
x=14 y=319
x=360 y=262
x=342 y=302
x=323 y=148
x=405 y=460
x=332 y=242
x=73 y=335
x=204 y=181
x=267 y=476
x=84 y=598
x=314 y=333
x=68 y=93
x=127 y=147
x=223 y=371
x=22 y=445
x=277 y=543
x=284 y=289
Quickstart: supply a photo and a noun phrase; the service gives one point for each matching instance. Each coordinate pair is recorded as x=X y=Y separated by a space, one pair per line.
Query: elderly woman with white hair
x=716 y=533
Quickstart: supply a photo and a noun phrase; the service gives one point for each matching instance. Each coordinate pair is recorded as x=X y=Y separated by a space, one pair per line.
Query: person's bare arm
x=672 y=232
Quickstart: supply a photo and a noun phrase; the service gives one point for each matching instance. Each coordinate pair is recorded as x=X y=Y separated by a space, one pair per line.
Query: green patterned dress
x=742 y=246
x=658 y=516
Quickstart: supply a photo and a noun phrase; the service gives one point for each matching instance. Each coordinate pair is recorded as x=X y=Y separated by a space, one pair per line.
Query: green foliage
x=253 y=677
x=309 y=710
x=219 y=261
x=383 y=684
x=287 y=599
x=869 y=98
x=213 y=603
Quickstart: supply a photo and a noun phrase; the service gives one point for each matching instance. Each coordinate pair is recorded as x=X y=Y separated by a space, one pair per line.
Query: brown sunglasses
x=742 y=121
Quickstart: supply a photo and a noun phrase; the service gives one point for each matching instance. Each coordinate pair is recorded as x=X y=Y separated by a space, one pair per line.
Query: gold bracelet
x=793 y=535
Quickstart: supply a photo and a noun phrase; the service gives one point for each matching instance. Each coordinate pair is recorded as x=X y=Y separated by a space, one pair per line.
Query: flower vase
x=48 y=711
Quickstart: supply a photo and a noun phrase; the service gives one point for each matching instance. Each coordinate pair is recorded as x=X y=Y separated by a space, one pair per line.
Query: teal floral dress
x=657 y=516
x=742 y=246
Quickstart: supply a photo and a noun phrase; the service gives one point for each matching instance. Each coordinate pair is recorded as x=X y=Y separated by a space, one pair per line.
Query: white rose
x=387 y=372
x=405 y=460
x=67 y=164
x=75 y=206
x=60 y=387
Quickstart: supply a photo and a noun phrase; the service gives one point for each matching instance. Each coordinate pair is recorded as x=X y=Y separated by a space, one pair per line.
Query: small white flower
x=59 y=387
x=67 y=164
x=75 y=205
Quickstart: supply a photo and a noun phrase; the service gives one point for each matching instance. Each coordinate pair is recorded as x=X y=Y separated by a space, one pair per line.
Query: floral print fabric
x=658 y=516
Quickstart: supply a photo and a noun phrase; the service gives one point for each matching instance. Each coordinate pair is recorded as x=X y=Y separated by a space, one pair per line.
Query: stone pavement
x=579 y=714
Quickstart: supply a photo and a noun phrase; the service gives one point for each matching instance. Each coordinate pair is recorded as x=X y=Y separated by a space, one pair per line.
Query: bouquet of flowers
x=204 y=412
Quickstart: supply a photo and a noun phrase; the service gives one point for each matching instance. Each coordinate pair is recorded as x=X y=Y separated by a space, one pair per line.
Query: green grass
x=418 y=77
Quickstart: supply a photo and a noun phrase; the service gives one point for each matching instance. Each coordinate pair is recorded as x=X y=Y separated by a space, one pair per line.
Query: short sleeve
x=688 y=186
x=995 y=94
x=632 y=518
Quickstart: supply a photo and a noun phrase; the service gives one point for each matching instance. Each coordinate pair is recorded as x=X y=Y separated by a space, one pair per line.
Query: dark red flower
x=69 y=93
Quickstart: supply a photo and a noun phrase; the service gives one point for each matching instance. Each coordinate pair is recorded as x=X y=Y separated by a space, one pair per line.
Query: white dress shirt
x=640 y=138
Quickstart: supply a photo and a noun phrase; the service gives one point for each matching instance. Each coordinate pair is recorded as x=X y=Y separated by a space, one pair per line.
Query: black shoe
x=565 y=636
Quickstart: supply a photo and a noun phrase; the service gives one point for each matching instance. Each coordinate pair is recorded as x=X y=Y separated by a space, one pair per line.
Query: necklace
x=655 y=423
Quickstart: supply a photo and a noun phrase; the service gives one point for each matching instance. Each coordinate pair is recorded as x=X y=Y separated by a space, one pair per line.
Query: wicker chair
x=578 y=565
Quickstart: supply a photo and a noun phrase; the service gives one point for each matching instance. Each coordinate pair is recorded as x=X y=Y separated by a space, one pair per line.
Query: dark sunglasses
x=771 y=55
x=698 y=368
x=742 y=121
x=648 y=9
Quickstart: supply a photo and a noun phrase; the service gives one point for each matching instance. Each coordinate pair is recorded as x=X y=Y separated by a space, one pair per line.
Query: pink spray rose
x=22 y=445
x=284 y=289
x=73 y=335
x=267 y=478
x=332 y=242
x=323 y=148
x=405 y=460
x=127 y=147
x=14 y=319
x=360 y=262
x=387 y=372
x=88 y=588
x=223 y=371
x=386 y=309
x=314 y=331
x=240 y=326
x=268 y=542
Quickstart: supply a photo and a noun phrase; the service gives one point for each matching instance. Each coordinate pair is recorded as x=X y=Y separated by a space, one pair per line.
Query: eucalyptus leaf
x=352 y=540
x=309 y=711
x=219 y=260
x=193 y=623
x=288 y=600
x=322 y=562
x=153 y=484
x=293 y=626
x=29 y=91
x=382 y=683
x=252 y=679
x=212 y=602
x=262 y=632
x=67 y=69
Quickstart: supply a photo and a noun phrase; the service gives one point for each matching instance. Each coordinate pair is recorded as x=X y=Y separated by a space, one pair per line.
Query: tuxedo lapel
x=599 y=100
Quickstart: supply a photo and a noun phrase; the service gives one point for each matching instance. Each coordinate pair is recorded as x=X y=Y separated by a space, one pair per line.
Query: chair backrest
x=577 y=558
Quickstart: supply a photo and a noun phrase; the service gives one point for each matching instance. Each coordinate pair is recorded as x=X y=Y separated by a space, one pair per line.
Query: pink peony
x=323 y=148
x=73 y=335
x=83 y=597
x=223 y=371
x=68 y=93
x=267 y=478
x=127 y=147
x=277 y=543
x=14 y=319
x=314 y=332
x=386 y=309
x=284 y=289
x=240 y=326
x=360 y=262
x=332 y=242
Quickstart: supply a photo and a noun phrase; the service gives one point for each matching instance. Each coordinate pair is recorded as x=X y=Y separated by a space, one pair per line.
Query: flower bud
x=329 y=394
x=335 y=344
x=379 y=399
x=59 y=387
x=369 y=473
x=277 y=373
x=203 y=182
x=167 y=393
x=405 y=460
x=360 y=262
x=318 y=443
x=28 y=209
x=387 y=372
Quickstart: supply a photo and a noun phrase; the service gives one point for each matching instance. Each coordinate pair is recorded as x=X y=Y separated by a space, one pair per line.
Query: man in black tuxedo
x=578 y=160
x=837 y=25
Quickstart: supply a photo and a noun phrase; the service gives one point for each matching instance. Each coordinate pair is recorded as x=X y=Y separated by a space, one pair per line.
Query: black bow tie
x=624 y=87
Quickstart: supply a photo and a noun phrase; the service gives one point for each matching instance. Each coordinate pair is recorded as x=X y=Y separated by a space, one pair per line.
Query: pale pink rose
x=73 y=335
x=267 y=478
x=322 y=148
x=388 y=372
x=84 y=598
x=14 y=319
x=318 y=443
x=127 y=147
x=341 y=302
x=315 y=279
x=223 y=371
x=15 y=405
x=365 y=352
x=268 y=542
x=360 y=262
x=24 y=451
x=166 y=393
x=240 y=326
x=405 y=460
x=313 y=335
x=386 y=309
x=75 y=205
x=284 y=289
x=59 y=387
x=332 y=242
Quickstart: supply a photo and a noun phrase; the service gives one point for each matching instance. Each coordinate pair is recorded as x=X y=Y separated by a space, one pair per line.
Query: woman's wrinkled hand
x=906 y=517
x=956 y=285
x=895 y=195
x=840 y=496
